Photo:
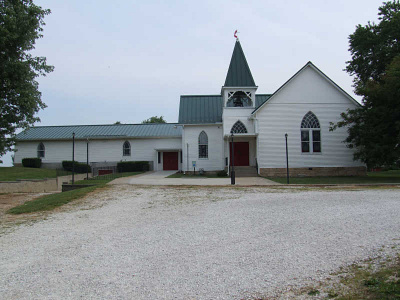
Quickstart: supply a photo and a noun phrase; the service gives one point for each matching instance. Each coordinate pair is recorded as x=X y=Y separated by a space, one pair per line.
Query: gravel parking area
x=195 y=243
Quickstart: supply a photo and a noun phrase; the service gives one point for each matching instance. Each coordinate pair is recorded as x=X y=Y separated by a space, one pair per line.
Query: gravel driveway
x=195 y=243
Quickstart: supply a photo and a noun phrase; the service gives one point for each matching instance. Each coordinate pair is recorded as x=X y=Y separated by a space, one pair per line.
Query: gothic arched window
x=238 y=127
x=203 y=145
x=126 y=149
x=310 y=134
x=40 y=150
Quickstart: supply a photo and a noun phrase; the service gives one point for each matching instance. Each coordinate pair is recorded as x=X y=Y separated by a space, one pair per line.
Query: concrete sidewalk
x=159 y=178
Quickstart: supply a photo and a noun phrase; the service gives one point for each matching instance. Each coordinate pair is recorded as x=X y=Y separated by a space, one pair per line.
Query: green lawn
x=392 y=176
x=181 y=175
x=49 y=202
x=14 y=173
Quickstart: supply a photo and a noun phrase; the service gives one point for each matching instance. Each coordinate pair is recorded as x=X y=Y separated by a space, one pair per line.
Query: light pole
x=287 y=160
x=232 y=162
x=73 y=157
x=87 y=159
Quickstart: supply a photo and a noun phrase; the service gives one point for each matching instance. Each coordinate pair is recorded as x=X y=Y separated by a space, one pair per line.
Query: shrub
x=78 y=167
x=133 y=166
x=32 y=162
x=222 y=173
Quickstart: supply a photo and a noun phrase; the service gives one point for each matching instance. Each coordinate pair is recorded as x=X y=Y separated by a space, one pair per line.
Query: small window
x=126 y=151
x=159 y=157
x=310 y=134
x=40 y=150
x=203 y=145
x=238 y=127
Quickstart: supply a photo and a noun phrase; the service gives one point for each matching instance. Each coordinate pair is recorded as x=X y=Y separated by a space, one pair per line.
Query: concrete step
x=246 y=172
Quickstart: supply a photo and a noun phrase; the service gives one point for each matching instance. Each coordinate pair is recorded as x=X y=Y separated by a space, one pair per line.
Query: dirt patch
x=11 y=200
x=8 y=222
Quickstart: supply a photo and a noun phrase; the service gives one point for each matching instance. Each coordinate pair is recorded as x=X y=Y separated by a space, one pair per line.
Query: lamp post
x=232 y=162
x=87 y=159
x=287 y=160
x=73 y=157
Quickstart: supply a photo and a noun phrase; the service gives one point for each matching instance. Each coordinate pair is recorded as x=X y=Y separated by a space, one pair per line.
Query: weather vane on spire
x=235 y=35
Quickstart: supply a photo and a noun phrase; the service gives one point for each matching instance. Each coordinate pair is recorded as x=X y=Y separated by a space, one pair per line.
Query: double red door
x=170 y=161
x=241 y=153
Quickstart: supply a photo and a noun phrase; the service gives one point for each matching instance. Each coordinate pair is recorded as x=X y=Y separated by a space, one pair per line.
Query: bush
x=78 y=167
x=133 y=166
x=32 y=162
x=222 y=173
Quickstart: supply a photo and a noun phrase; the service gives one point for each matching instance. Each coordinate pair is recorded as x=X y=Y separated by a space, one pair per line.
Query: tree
x=21 y=23
x=374 y=128
x=154 y=119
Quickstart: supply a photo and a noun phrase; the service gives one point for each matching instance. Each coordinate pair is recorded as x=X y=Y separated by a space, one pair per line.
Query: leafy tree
x=154 y=119
x=21 y=23
x=117 y=123
x=374 y=128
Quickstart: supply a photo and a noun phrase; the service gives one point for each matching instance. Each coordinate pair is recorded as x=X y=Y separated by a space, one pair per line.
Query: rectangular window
x=316 y=137
x=305 y=141
x=159 y=157
x=181 y=157
x=203 y=151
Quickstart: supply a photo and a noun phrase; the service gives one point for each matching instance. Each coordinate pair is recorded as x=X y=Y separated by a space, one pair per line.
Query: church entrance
x=170 y=161
x=241 y=153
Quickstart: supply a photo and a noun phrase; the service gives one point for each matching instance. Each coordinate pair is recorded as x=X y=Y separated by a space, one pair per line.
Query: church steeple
x=239 y=74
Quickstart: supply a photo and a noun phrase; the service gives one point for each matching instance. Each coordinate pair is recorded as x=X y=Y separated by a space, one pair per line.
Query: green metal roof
x=100 y=132
x=200 y=109
x=239 y=73
x=206 y=109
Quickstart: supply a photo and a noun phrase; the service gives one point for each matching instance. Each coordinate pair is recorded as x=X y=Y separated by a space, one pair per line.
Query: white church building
x=303 y=108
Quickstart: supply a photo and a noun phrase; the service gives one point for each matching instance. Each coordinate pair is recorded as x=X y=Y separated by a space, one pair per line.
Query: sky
x=128 y=60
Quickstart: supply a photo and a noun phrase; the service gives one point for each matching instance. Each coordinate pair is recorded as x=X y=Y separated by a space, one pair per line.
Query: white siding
x=309 y=86
x=215 y=160
x=309 y=91
x=232 y=114
x=99 y=150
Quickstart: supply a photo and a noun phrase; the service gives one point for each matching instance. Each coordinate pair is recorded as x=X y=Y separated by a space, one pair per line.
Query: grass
x=198 y=176
x=392 y=176
x=363 y=283
x=14 y=173
x=374 y=278
x=49 y=202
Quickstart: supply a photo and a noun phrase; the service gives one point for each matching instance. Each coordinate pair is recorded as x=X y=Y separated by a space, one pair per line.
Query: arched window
x=126 y=149
x=203 y=145
x=238 y=127
x=40 y=150
x=310 y=134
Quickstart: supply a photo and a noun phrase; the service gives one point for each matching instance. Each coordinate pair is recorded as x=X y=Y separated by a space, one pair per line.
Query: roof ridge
x=214 y=95
x=105 y=125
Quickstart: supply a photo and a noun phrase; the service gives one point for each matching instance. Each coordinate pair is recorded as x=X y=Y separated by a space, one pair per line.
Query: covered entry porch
x=168 y=159
x=241 y=154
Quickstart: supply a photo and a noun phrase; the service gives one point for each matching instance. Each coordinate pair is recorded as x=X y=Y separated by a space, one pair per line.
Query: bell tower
x=239 y=89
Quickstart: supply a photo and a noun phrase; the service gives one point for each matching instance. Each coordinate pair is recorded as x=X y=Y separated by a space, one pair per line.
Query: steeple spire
x=239 y=74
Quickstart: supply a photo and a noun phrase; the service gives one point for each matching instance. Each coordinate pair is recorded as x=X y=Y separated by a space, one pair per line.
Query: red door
x=241 y=153
x=170 y=161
